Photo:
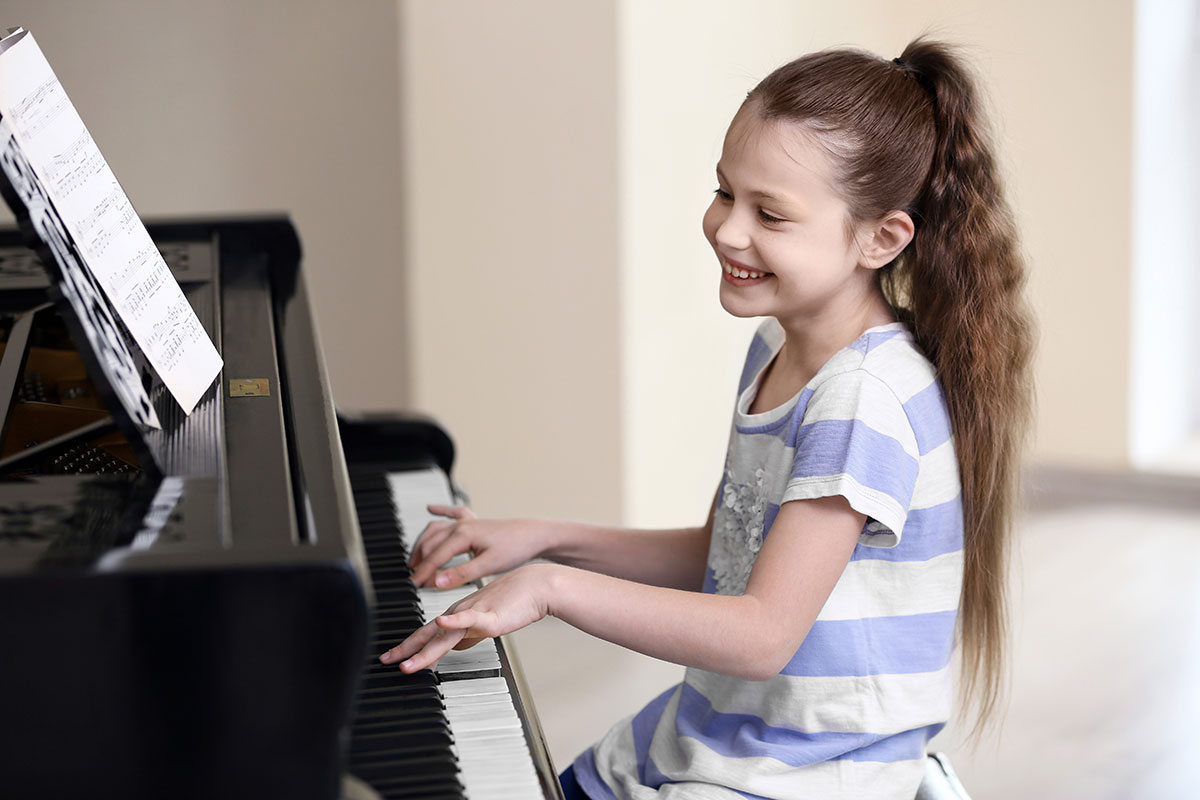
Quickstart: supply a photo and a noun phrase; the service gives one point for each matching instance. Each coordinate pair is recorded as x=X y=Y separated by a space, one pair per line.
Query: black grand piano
x=195 y=612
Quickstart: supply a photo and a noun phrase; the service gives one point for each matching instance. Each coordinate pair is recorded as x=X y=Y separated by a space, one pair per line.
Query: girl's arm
x=750 y=636
x=674 y=558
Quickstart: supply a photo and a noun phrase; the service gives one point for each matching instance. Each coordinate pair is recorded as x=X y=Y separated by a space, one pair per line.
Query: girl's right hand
x=497 y=546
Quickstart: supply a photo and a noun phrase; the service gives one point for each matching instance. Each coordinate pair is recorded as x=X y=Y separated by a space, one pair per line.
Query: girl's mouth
x=740 y=276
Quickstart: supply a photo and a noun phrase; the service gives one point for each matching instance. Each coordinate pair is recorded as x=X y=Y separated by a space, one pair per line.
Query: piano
x=197 y=611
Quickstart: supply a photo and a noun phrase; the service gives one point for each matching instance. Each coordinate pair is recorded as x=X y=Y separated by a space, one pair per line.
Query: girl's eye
x=768 y=218
x=724 y=195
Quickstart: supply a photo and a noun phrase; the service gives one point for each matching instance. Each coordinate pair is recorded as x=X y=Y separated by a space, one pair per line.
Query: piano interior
x=55 y=397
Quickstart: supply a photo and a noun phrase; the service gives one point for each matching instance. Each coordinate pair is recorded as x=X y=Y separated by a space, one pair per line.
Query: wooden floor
x=1105 y=696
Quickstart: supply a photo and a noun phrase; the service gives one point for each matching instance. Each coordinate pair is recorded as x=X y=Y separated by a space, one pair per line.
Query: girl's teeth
x=742 y=273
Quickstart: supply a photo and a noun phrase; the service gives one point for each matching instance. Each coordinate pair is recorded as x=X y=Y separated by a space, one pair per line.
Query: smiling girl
x=861 y=524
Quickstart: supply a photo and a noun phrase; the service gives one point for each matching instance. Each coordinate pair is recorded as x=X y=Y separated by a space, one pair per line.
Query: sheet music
x=112 y=239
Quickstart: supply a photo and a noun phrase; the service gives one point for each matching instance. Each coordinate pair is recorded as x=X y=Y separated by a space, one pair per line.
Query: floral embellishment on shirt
x=737 y=532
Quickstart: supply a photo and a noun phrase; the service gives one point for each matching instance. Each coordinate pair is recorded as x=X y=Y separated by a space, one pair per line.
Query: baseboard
x=1047 y=487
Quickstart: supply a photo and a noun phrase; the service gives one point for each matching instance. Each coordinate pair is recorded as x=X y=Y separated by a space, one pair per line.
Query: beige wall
x=1064 y=93
x=511 y=157
x=230 y=106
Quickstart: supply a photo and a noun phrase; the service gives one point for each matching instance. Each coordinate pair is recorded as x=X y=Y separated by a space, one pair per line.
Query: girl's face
x=779 y=227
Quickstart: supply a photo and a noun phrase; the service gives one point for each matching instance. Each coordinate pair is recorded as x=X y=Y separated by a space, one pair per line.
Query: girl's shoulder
x=886 y=354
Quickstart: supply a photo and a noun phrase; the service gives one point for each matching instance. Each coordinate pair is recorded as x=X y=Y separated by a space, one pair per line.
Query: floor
x=1105 y=685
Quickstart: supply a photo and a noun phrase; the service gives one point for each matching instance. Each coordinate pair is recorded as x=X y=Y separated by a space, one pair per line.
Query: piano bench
x=940 y=781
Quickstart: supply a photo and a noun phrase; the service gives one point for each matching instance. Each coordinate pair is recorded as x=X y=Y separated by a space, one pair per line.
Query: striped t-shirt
x=851 y=713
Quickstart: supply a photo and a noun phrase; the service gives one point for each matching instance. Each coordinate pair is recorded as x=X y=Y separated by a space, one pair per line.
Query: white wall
x=1164 y=386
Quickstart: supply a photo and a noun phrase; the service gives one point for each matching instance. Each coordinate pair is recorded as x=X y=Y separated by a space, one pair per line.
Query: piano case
x=185 y=611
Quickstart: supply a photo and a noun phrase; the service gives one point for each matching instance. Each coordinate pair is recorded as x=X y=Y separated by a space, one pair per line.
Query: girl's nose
x=732 y=232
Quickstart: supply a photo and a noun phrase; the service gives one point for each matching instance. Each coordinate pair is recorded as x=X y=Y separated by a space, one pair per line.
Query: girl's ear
x=884 y=239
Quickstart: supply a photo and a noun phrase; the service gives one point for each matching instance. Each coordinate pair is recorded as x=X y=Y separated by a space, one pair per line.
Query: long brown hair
x=908 y=135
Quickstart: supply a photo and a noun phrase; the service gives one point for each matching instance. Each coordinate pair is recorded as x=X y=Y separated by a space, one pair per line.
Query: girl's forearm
x=668 y=558
x=732 y=635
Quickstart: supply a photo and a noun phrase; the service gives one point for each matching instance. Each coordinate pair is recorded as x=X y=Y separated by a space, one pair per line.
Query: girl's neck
x=810 y=342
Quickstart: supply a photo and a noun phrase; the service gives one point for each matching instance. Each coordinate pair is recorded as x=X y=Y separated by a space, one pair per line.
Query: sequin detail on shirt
x=738 y=528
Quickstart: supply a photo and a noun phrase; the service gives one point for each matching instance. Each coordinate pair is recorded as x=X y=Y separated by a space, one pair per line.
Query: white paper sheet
x=115 y=244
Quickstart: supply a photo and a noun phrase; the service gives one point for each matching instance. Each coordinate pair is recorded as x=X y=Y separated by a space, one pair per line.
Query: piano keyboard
x=450 y=733
x=412 y=491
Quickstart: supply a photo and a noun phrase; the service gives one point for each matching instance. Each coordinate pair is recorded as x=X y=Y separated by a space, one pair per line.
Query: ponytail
x=964 y=285
x=908 y=134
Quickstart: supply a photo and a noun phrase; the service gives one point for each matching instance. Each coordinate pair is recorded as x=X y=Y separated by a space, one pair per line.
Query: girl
x=861 y=524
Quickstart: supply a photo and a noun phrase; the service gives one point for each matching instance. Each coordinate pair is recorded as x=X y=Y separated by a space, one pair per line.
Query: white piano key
x=412 y=491
x=482 y=686
x=436 y=601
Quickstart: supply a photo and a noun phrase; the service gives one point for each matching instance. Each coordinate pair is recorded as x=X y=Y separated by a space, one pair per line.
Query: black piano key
x=390 y=635
x=414 y=772
x=404 y=776
x=383 y=703
x=424 y=766
x=390 y=676
x=395 y=597
x=396 y=623
x=408 y=768
x=384 y=712
x=402 y=735
x=417 y=790
x=386 y=697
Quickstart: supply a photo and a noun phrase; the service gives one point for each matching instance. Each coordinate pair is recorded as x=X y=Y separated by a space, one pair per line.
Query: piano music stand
x=119 y=376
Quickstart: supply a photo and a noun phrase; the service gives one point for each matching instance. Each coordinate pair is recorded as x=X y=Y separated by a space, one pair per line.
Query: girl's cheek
x=709 y=224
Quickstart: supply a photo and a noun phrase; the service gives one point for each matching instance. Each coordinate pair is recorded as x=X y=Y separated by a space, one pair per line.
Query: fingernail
x=443 y=580
x=406 y=665
x=386 y=657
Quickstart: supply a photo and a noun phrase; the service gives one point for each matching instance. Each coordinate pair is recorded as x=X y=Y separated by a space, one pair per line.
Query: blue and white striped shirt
x=851 y=713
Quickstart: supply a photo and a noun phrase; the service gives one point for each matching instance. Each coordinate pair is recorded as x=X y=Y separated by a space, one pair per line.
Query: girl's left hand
x=505 y=605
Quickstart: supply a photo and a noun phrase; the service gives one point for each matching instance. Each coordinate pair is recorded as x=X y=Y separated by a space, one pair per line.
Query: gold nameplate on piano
x=249 y=387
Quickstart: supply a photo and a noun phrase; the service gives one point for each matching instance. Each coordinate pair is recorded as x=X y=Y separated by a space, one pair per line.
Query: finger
x=432 y=531
x=433 y=534
x=428 y=556
x=465 y=573
x=468 y=642
x=473 y=623
x=455 y=512
x=442 y=642
x=412 y=644
x=452 y=545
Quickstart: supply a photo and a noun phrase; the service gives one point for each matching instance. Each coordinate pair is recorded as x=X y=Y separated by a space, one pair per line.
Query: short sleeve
x=855 y=440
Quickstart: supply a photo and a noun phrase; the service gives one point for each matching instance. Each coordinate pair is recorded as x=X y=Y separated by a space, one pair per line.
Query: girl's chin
x=739 y=306
x=742 y=310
